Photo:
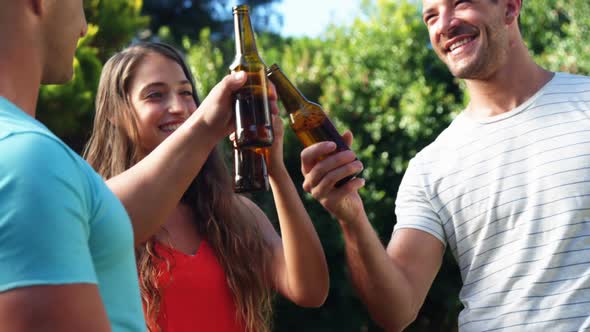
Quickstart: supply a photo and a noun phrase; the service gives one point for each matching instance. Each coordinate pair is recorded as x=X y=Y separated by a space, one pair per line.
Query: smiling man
x=506 y=187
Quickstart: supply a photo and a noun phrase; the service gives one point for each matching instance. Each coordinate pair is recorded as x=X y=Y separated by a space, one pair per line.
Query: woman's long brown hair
x=238 y=244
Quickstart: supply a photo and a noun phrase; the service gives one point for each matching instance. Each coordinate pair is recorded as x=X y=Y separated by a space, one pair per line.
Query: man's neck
x=20 y=79
x=508 y=88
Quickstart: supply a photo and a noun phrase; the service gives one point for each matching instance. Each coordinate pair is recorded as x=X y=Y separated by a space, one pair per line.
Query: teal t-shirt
x=59 y=222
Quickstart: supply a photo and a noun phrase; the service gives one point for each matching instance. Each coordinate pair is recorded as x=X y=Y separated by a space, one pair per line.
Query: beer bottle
x=307 y=119
x=252 y=112
x=250 y=172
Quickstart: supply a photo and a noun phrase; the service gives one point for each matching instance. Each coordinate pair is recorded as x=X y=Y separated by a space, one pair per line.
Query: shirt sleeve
x=44 y=218
x=413 y=208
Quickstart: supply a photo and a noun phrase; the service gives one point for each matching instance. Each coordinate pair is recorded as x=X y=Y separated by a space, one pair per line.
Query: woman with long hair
x=208 y=259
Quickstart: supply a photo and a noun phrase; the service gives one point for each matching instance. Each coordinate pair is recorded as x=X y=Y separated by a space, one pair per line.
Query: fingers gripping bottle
x=307 y=119
x=253 y=120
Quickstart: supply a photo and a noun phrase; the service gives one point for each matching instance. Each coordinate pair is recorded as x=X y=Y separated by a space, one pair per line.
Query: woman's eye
x=154 y=95
x=187 y=93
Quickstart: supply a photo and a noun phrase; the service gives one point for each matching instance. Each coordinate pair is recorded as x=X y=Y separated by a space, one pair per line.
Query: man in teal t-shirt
x=60 y=224
x=66 y=242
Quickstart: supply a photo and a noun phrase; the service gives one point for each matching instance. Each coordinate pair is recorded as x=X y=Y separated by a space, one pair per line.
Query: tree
x=187 y=18
x=557 y=32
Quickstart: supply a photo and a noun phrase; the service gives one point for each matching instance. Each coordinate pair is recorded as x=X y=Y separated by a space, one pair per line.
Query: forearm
x=307 y=276
x=383 y=288
x=151 y=189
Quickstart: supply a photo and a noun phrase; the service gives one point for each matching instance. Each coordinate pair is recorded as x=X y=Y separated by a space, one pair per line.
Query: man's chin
x=463 y=72
x=470 y=69
x=61 y=78
x=460 y=74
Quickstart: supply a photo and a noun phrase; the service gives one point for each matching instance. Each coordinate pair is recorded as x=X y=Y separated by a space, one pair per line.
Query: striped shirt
x=510 y=196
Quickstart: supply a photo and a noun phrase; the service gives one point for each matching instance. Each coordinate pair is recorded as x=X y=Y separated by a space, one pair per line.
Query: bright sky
x=311 y=17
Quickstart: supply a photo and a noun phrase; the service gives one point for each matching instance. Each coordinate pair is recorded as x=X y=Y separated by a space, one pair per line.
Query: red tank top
x=195 y=294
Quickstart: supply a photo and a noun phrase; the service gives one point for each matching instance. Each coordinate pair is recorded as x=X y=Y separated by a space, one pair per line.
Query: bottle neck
x=244 y=34
x=290 y=96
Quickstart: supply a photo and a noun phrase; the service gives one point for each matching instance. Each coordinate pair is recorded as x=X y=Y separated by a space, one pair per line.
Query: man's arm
x=64 y=308
x=392 y=283
x=47 y=277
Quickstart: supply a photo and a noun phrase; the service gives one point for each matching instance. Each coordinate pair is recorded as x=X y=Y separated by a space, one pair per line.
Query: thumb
x=347 y=137
x=229 y=84
x=235 y=80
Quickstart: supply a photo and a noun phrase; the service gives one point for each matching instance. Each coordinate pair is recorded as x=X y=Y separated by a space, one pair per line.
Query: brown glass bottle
x=307 y=119
x=252 y=112
x=250 y=171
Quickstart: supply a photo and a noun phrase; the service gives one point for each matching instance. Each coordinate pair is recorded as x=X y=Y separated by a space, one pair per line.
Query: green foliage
x=187 y=18
x=206 y=60
x=119 y=22
x=558 y=32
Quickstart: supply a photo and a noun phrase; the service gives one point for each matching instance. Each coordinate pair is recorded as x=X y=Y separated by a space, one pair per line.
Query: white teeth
x=170 y=127
x=460 y=43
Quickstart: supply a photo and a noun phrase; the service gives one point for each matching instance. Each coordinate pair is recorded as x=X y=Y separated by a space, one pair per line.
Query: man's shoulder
x=21 y=133
x=566 y=82
x=24 y=138
x=565 y=92
x=34 y=148
x=29 y=158
x=14 y=120
x=563 y=76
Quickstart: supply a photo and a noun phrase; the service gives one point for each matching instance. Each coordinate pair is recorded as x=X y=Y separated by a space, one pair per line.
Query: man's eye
x=428 y=18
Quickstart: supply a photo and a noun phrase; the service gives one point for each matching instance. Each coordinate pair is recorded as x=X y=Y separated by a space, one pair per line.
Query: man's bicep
x=419 y=255
x=73 y=307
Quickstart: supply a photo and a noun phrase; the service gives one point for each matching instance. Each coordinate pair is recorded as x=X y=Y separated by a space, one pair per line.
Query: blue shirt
x=59 y=222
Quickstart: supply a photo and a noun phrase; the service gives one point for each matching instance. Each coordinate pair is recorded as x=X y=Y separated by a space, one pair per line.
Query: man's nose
x=447 y=22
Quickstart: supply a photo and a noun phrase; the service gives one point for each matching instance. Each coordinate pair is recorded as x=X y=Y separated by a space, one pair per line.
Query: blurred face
x=161 y=96
x=469 y=36
x=64 y=24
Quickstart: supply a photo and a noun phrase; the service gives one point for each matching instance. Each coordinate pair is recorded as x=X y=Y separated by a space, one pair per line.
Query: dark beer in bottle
x=307 y=119
x=253 y=120
x=250 y=172
x=252 y=112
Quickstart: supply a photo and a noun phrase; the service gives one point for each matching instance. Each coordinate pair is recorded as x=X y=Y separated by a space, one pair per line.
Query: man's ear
x=512 y=10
